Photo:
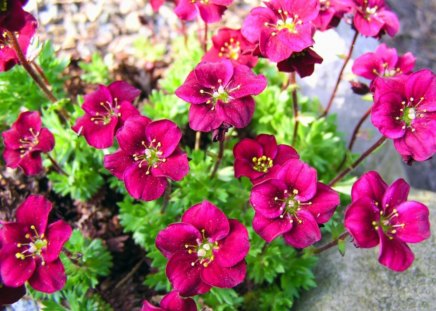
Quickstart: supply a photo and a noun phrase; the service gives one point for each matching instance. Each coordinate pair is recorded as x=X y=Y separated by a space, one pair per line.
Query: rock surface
x=358 y=282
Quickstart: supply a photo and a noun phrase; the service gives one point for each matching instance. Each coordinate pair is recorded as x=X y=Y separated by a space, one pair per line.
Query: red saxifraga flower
x=373 y=18
x=106 y=110
x=149 y=154
x=230 y=44
x=210 y=11
x=381 y=214
x=12 y=15
x=172 y=302
x=220 y=93
x=31 y=248
x=330 y=13
x=405 y=110
x=25 y=142
x=204 y=250
x=261 y=158
x=282 y=28
x=293 y=205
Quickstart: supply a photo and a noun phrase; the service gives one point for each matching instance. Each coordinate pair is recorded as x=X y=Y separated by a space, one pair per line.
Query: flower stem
x=166 y=198
x=293 y=84
x=338 y=81
x=371 y=149
x=219 y=158
x=40 y=72
x=197 y=140
x=331 y=244
x=56 y=165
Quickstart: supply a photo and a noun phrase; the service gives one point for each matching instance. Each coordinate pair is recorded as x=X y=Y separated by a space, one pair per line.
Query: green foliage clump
x=95 y=71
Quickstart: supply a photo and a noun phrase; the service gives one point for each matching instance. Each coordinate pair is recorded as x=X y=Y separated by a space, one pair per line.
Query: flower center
x=262 y=164
x=230 y=49
x=410 y=111
x=219 y=94
x=288 y=24
x=27 y=143
x=151 y=157
x=291 y=206
x=110 y=111
x=387 y=223
x=37 y=243
x=204 y=250
x=285 y=22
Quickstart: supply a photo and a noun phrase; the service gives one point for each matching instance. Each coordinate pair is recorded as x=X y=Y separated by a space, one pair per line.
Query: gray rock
x=358 y=282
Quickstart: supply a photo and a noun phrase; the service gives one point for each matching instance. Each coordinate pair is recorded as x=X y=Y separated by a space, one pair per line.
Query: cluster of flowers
x=29 y=251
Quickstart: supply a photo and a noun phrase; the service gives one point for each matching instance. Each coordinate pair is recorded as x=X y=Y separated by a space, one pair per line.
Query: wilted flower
x=106 y=110
x=25 y=142
x=292 y=205
x=404 y=111
x=302 y=62
x=206 y=249
x=220 y=93
x=282 y=28
x=210 y=10
x=31 y=248
x=172 y=302
x=261 y=158
x=379 y=214
x=230 y=44
x=149 y=154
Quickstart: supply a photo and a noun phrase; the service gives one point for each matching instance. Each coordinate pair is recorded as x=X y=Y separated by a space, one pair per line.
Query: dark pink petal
x=184 y=276
x=358 y=221
x=46 y=141
x=12 y=157
x=255 y=22
x=245 y=82
x=384 y=113
x=146 y=306
x=213 y=55
x=414 y=216
x=211 y=13
x=395 y=194
x=15 y=272
x=245 y=168
x=123 y=91
x=96 y=103
x=285 y=153
x=58 y=233
x=406 y=63
x=190 y=90
x=323 y=204
x=204 y=118
x=127 y=110
x=222 y=277
x=132 y=134
x=206 y=216
x=238 y=112
x=269 y=229
x=34 y=211
x=272 y=45
x=185 y=10
x=117 y=163
x=299 y=176
x=267 y=198
x=155 y=5
x=392 y=24
x=422 y=84
x=247 y=148
x=222 y=2
x=368 y=66
x=304 y=232
x=31 y=164
x=13 y=232
x=174 y=238
x=28 y=120
x=269 y=145
x=175 y=167
x=208 y=74
x=98 y=135
x=166 y=133
x=369 y=185
x=142 y=186
x=11 y=139
x=368 y=28
x=388 y=55
x=9 y=295
x=49 y=278
x=420 y=145
x=234 y=247
x=174 y=302
x=395 y=254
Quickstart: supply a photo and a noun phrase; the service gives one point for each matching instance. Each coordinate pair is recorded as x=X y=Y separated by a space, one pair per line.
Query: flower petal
x=299 y=176
x=395 y=194
x=15 y=272
x=58 y=233
x=132 y=134
x=234 y=247
x=31 y=164
x=369 y=185
x=166 y=133
x=175 y=167
x=34 y=211
x=209 y=74
x=238 y=112
x=99 y=135
x=204 y=118
x=46 y=141
x=174 y=238
x=49 y=278
x=211 y=13
x=324 y=203
x=123 y=91
x=9 y=295
x=414 y=216
x=245 y=82
x=222 y=277
x=269 y=229
x=304 y=232
x=267 y=198
x=173 y=301
x=395 y=254
x=143 y=186
x=96 y=102
x=28 y=120
x=118 y=162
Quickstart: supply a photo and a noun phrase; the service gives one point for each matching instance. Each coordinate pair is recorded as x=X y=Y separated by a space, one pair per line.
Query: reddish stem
x=331 y=244
x=219 y=158
x=338 y=81
x=293 y=83
x=56 y=165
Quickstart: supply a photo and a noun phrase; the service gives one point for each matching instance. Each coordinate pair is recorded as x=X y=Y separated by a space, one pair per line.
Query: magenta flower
x=261 y=158
x=206 y=249
x=404 y=110
x=31 y=248
x=210 y=11
x=230 y=44
x=302 y=62
x=12 y=15
x=382 y=215
x=8 y=57
x=148 y=155
x=331 y=13
x=220 y=93
x=25 y=142
x=373 y=18
x=172 y=302
x=383 y=62
x=9 y=295
x=293 y=205
x=282 y=28
x=106 y=110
